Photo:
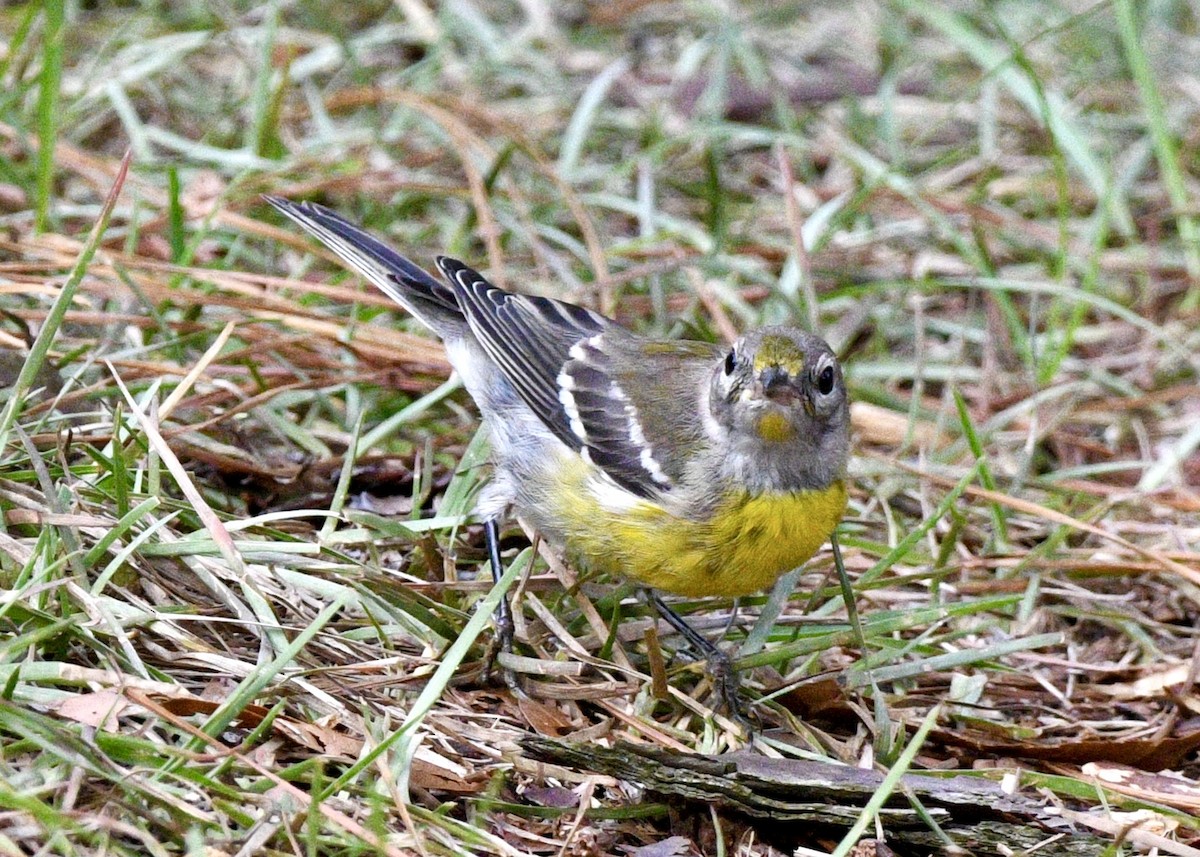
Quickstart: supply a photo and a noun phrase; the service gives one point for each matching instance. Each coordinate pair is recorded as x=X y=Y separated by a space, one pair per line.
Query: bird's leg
x=503 y=617
x=720 y=667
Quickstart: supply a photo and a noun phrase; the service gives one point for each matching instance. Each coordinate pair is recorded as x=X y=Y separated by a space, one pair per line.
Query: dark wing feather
x=529 y=338
x=560 y=359
x=635 y=400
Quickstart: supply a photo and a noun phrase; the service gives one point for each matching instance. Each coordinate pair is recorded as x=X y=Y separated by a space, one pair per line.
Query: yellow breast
x=746 y=544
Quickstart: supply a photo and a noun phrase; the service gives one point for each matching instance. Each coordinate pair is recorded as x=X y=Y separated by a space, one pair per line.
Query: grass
x=244 y=596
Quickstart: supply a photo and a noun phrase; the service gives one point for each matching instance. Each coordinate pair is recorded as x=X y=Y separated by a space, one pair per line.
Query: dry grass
x=241 y=590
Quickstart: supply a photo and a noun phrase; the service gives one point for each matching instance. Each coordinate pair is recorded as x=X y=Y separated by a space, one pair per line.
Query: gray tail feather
x=402 y=280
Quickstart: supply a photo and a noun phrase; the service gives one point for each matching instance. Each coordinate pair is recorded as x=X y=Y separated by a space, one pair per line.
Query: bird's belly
x=742 y=548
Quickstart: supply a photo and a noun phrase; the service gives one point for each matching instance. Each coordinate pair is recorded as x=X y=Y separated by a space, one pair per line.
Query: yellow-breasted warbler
x=690 y=467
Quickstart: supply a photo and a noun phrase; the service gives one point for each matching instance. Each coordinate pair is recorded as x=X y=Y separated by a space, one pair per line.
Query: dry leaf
x=1149 y=754
x=100 y=709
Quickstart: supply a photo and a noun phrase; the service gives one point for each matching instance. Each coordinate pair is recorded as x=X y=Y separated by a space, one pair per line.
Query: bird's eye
x=825 y=381
x=730 y=362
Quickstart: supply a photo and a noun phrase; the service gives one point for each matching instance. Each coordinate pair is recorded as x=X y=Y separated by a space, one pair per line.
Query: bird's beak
x=776 y=385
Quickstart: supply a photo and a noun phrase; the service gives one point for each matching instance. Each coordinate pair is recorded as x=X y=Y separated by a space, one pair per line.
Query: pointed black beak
x=777 y=385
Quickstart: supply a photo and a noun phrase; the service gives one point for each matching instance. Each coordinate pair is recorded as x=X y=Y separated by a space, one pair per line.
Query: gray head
x=778 y=403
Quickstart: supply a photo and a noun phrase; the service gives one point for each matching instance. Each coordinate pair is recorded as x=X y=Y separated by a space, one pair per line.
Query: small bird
x=692 y=468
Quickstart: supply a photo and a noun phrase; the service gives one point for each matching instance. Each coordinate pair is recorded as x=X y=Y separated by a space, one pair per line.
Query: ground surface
x=236 y=487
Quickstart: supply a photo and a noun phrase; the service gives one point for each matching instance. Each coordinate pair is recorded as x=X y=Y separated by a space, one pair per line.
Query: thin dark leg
x=503 y=617
x=733 y=616
x=719 y=665
x=703 y=646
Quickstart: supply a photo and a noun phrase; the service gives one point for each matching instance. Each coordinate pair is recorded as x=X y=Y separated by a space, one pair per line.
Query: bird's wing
x=587 y=378
x=635 y=405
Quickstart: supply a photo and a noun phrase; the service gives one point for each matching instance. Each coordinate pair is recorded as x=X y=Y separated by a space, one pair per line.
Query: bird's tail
x=402 y=280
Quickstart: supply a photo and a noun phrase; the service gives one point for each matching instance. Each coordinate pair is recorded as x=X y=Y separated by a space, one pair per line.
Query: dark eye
x=730 y=362
x=825 y=381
